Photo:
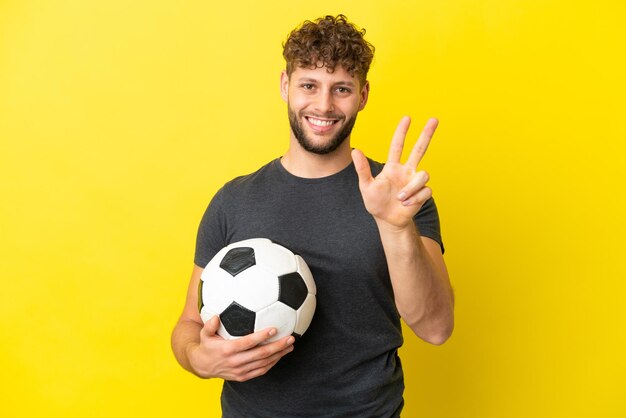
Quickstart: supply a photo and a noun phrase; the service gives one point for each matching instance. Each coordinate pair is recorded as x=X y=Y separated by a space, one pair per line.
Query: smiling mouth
x=322 y=123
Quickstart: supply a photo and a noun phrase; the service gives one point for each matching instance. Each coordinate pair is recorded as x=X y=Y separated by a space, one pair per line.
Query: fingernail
x=272 y=332
x=402 y=196
x=291 y=340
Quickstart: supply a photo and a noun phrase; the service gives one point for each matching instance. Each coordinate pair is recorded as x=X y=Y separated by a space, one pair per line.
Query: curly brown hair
x=329 y=42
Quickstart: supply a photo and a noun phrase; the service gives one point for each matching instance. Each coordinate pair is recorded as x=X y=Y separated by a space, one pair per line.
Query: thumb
x=211 y=326
x=362 y=167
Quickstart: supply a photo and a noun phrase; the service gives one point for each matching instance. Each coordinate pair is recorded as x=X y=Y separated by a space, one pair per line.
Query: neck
x=302 y=163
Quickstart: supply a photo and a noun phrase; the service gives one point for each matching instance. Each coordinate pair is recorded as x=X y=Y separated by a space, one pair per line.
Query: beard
x=309 y=145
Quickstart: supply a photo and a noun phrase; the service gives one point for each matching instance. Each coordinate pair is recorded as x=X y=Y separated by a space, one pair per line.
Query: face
x=322 y=106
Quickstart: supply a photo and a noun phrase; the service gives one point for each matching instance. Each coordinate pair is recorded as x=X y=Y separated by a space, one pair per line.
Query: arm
x=199 y=349
x=422 y=290
x=420 y=283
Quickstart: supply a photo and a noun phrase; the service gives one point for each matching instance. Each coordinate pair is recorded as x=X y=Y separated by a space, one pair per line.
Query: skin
x=418 y=272
x=200 y=350
x=322 y=106
x=316 y=94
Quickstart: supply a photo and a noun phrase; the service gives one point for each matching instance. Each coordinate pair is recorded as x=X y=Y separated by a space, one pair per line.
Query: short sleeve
x=211 y=235
x=427 y=222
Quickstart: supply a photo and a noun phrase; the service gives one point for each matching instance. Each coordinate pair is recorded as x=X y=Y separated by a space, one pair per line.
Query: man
x=370 y=235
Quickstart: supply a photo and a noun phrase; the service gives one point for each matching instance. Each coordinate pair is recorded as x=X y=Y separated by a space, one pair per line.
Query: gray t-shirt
x=346 y=364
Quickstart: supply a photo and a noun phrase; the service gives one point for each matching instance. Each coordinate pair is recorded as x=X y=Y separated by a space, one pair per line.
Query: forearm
x=422 y=291
x=186 y=335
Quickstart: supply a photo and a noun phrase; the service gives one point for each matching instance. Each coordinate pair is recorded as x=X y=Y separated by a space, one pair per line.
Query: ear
x=284 y=86
x=365 y=92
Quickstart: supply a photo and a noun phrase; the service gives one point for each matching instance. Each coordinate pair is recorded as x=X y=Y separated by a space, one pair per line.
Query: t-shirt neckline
x=315 y=180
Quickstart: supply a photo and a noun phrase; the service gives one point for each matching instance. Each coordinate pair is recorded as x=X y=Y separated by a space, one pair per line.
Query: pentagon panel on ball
x=255 y=284
x=237 y=260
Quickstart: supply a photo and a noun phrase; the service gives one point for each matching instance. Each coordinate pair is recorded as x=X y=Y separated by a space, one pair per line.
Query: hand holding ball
x=255 y=284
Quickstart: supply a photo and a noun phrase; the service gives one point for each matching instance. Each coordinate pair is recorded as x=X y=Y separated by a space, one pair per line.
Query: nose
x=324 y=103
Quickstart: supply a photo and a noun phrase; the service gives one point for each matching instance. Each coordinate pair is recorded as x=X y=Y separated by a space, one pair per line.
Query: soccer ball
x=255 y=284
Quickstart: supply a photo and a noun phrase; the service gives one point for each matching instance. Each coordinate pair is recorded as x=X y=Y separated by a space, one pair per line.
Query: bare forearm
x=185 y=335
x=421 y=286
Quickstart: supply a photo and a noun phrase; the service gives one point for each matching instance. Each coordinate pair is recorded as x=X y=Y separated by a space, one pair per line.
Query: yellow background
x=120 y=119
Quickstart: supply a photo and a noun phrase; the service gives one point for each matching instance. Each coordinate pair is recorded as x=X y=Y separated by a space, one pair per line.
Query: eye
x=343 y=90
x=307 y=86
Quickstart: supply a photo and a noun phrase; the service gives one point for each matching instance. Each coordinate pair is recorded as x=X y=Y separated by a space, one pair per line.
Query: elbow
x=438 y=338
x=438 y=328
x=434 y=333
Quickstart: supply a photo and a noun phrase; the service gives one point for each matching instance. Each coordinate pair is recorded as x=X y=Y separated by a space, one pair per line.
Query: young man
x=369 y=233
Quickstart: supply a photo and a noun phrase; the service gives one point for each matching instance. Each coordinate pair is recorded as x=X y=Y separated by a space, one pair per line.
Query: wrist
x=407 y=227
x=403 y=241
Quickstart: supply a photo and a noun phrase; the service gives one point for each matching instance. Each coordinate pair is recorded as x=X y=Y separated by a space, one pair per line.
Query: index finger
x=420 y=147
x=256 y=338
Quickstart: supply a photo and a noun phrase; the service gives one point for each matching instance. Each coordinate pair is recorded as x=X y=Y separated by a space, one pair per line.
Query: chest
x=322 y=224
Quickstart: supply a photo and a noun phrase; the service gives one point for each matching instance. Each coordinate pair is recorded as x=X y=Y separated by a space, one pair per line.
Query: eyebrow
x=338 y=83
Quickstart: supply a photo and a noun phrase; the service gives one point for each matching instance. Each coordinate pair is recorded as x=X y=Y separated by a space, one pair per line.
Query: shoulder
x=252 y=180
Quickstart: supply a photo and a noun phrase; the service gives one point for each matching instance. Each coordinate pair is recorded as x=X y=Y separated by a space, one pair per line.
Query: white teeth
x=318 y=122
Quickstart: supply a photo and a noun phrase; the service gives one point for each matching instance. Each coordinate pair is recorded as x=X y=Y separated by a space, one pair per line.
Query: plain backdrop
x=120 y=119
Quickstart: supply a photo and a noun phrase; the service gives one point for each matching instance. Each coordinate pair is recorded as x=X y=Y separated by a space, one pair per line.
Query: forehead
x=322 y=75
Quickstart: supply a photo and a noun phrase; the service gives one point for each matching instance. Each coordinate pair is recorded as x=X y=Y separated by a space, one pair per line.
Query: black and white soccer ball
x=255 y=284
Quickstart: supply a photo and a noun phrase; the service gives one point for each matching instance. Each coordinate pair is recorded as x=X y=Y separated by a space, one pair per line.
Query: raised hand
x=398 y=192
